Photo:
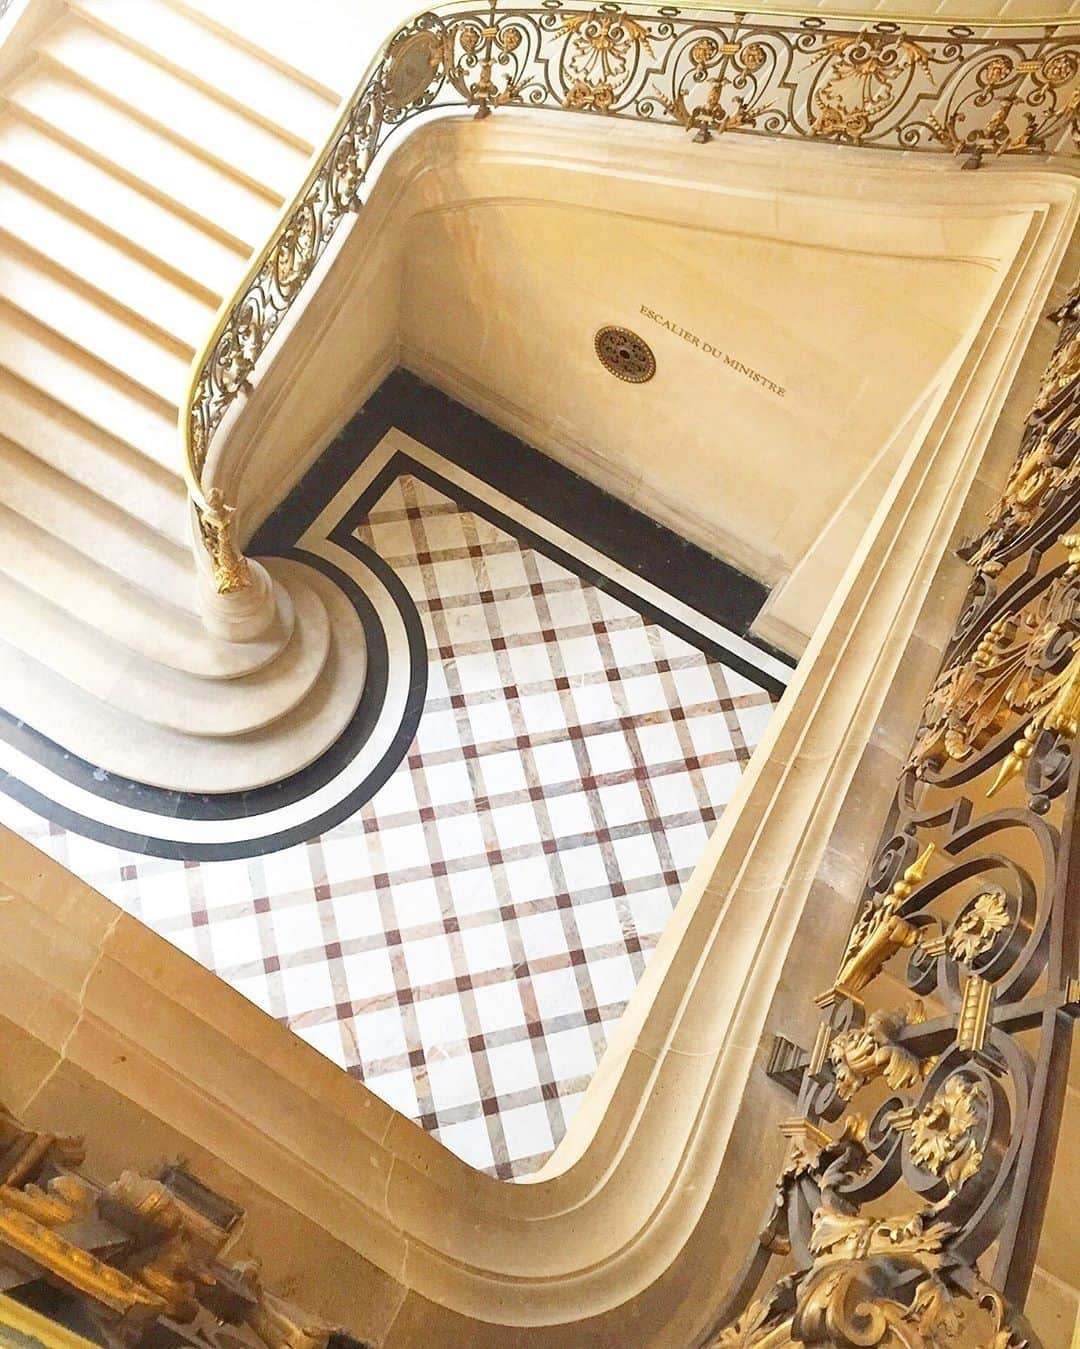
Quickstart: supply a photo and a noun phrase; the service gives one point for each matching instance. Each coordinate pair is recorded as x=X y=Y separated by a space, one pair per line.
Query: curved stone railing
x=951 y=89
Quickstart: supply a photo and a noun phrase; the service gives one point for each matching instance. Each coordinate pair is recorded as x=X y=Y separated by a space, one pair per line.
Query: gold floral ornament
x=295 y=253
x=1035 y=479
x=867 y=74
x=485 y=46
x=945 y=1136
x=862 y=1054
x=978 y=926
x=710 y=118
x=974 y=701
x=1054 y=701
x=230 y=568
x=599 y=55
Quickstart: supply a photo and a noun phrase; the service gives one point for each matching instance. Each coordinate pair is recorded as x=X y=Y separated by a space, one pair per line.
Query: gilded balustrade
x=951 y=89
x=934 y=1089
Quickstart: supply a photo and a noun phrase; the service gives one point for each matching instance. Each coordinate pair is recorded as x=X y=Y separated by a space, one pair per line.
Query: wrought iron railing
x=946 y=88
x=912 y=1200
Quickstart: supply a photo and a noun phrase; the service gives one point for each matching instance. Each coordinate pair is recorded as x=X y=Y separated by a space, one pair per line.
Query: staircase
x=145 y=151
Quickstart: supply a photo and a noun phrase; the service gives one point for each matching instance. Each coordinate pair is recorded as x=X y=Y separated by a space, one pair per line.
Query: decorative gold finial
x=215 y=523
x=877 y=936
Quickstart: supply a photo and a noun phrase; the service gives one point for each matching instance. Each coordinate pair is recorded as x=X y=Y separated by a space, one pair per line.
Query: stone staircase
x=145 y=151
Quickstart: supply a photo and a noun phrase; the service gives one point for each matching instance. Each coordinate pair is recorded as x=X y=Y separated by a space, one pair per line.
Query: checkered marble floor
x=465 y=942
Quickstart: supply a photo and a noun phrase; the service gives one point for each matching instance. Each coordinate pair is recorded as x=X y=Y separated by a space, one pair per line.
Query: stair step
x=108 y=268
x=89 y=524
x=86 y=455
x=106 y=735
x=148 y=690
x=330 y=55
x=184 y=181
x=72 y=584
x=209 y=268
x=183 y=45
x=251 y=27
x=31 y=286
x=83 y=384
x=216 y=131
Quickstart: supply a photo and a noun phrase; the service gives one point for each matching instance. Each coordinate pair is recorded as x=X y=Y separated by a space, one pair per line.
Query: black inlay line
x=499 y=460
x=401 y=462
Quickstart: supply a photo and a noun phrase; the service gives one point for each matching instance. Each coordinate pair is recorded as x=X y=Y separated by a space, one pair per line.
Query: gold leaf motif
x=944 y=1136
x=600 y=50
x=977 y=928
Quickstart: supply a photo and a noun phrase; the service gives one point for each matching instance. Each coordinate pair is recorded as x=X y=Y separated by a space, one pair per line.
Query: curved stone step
x=213 y=129
x=52 y=232
x=119 y=743
x=193 y=257
x=134 y=621
x=156 y=694
x=184 y=182
x=91 y=458
x=180 y=43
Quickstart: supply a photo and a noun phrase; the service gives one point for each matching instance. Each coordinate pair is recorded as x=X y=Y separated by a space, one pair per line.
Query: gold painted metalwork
x=970 y=1105
x=230 y=567
x=978 y=927
x=878 y=934
x=881 y=1280
x=975 y=1008
x=624 y=354
x=976 y=699
x=945 y=1134
x=867 y=73
x=601 y=46
x=862 y=1054
x=147 y=1258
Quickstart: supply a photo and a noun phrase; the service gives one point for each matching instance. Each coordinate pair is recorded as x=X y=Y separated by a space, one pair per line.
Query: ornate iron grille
x=947 y=1105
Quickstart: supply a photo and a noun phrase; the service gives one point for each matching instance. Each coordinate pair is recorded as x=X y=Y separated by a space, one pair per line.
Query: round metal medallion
x=625 y=354
x=413 y=63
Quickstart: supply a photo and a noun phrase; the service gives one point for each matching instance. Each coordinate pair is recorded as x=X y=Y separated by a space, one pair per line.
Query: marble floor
x=465 y=939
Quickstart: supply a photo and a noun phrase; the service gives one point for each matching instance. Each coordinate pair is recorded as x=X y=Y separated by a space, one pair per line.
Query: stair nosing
x=116 y=580
x=241 y=247
x=137 y=385
x=71 y=407
x=177 y=544
x=147 y=461
x=191 y=77
x=183 y=280
x=117 y=649
x=62 y=271
x=170 y=133
x=309 y=82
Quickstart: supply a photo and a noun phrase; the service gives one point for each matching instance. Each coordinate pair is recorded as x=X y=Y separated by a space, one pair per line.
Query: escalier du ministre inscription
x=709 y=350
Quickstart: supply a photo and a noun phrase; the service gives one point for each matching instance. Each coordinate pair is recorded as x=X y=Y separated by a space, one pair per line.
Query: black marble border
x=500 y=460
x=618 y=531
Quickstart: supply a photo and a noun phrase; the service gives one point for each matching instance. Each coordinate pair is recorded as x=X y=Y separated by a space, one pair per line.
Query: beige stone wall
x=490 y=252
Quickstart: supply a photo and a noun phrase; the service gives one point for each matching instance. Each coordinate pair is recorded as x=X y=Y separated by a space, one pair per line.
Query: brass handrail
x=970 y=88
